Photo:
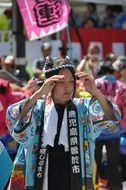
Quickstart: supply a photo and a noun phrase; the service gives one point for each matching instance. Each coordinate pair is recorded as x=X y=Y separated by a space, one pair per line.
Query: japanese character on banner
x=72 y=114
x=76 y=169
x=42 y=18
x=73 y=141
x=72 y=122
x=74 y=150
x=73 y=132
x=75 y=160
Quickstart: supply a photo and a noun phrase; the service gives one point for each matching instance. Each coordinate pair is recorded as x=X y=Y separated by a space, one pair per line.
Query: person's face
x=109 y=12
x=9 y=67
x=123 y=73
x=116 y=74
x=112 y=57
x=93 y=53
x=46 y=52
x=90 y=8
x=89 y=24
x=64 y=88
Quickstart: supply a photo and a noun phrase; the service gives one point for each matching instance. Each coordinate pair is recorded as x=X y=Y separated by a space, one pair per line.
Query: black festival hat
x=53 y=65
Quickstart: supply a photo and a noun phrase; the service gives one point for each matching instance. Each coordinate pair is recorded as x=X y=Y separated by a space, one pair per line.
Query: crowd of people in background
x=109 y=74
x=114 y=16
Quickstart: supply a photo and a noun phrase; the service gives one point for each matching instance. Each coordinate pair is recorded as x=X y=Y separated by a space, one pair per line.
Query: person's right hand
x=49 y=84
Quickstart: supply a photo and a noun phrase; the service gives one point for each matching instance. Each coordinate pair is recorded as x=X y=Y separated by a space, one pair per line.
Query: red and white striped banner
x=108 y=40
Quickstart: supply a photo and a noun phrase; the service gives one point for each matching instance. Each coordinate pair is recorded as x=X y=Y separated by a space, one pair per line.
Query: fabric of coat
x=91 y=121
x=5 y=166
x=115 y=91
x=6 y=99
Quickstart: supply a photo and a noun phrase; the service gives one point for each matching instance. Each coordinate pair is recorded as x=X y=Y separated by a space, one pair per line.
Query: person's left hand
x=88 y=82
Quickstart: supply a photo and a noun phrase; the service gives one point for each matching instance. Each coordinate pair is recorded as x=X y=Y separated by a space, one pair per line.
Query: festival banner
x=112 y=40
x=42 y=18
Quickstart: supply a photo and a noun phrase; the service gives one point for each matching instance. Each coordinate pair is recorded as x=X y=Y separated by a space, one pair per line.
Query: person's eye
x=71 y=81
x=60 y=82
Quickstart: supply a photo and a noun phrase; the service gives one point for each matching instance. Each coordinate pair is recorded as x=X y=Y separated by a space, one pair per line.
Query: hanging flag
x=42 y=18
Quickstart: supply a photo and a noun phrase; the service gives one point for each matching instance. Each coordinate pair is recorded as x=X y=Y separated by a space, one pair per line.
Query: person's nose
x=67 y=86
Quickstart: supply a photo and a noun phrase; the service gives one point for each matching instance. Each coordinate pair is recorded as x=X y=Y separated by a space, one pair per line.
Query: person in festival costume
x=56 y=131
x=115 y=91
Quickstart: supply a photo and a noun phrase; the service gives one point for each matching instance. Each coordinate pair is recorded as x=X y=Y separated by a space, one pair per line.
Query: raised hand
x=88 y=81
x=43 y=91
x=49 y=84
